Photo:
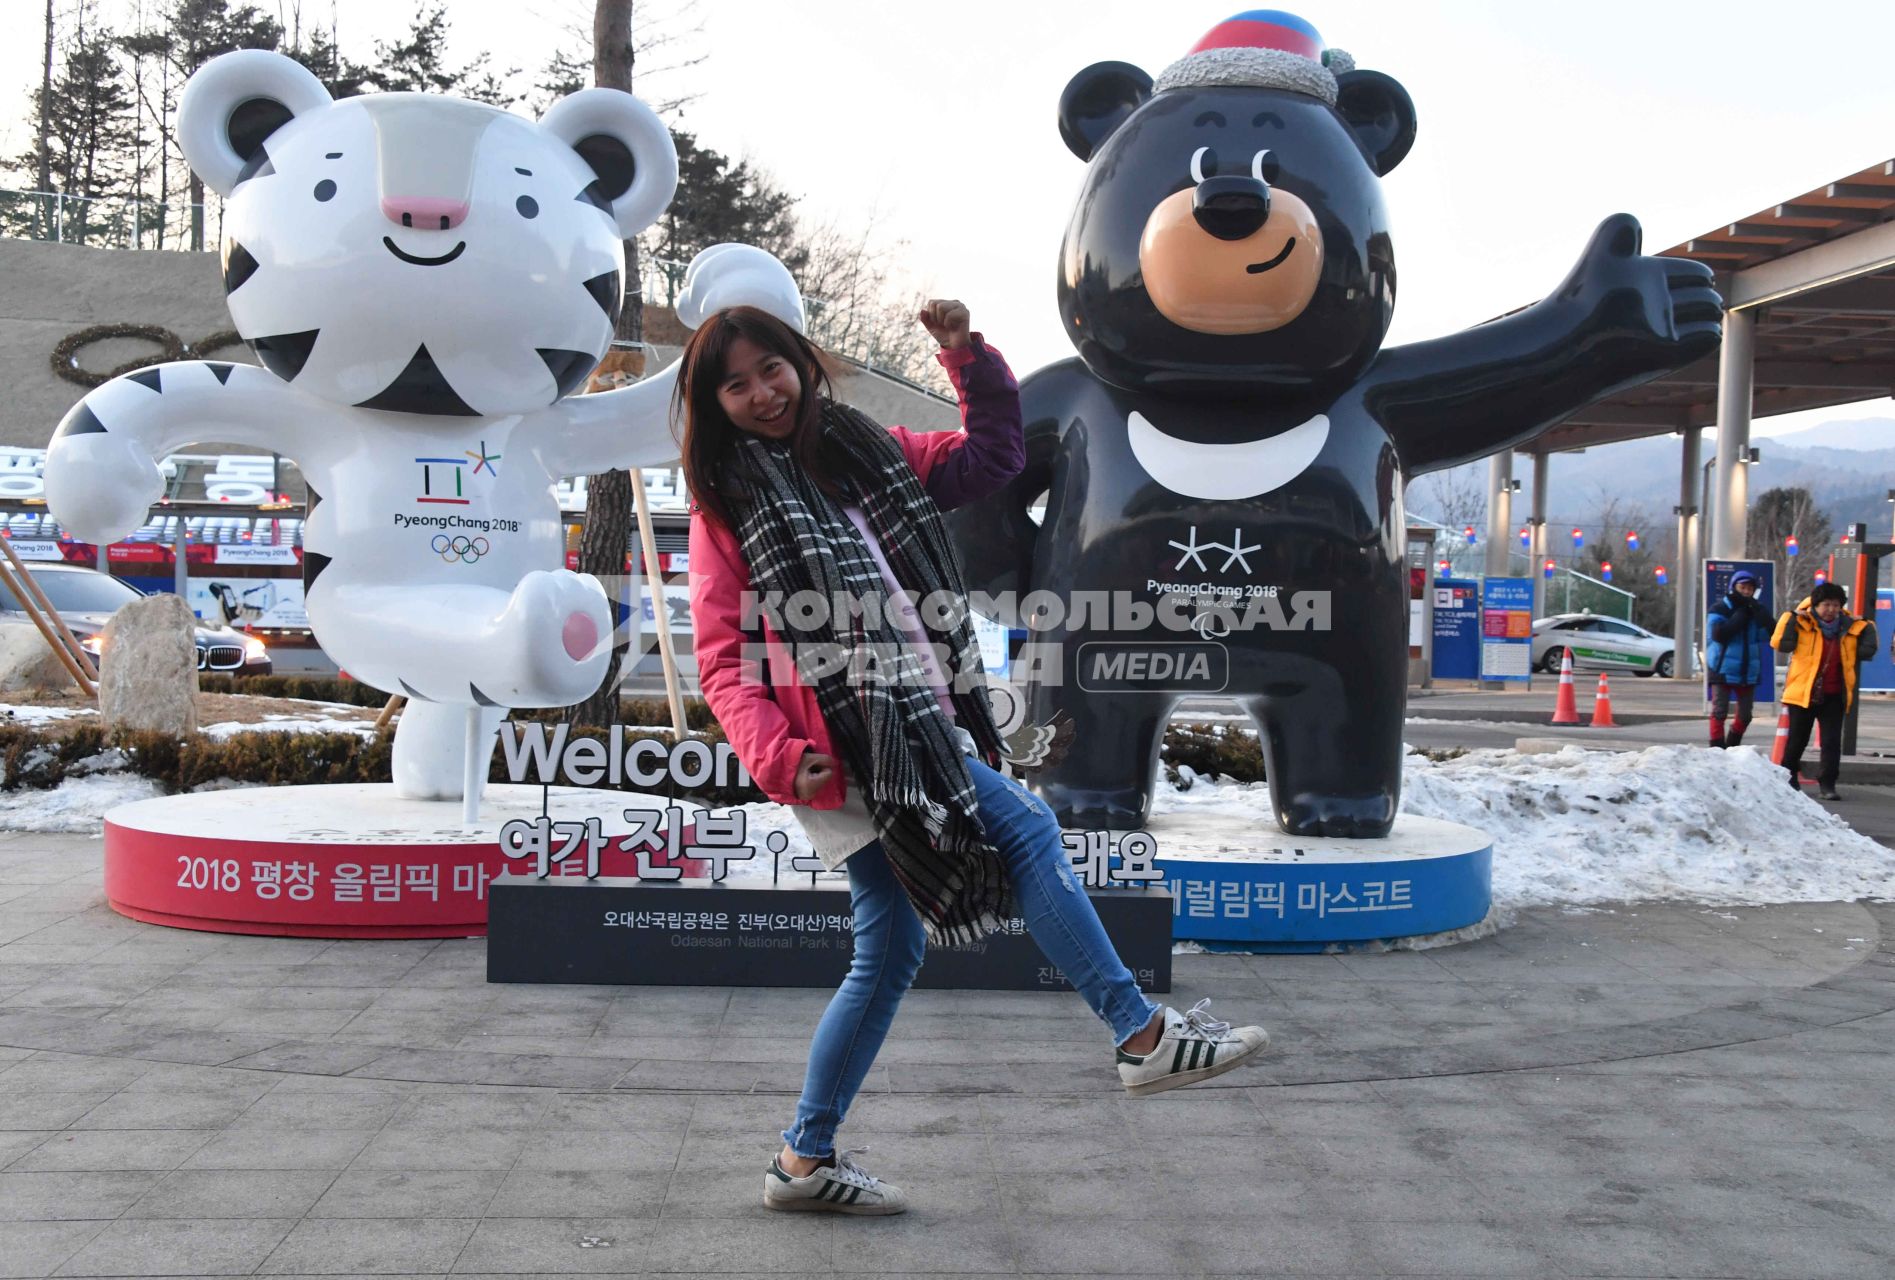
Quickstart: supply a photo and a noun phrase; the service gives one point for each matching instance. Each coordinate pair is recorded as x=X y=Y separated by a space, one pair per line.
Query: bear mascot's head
x=1230 y=234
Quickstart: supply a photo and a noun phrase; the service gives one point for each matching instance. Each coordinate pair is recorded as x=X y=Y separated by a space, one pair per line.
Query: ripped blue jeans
x=889 y=944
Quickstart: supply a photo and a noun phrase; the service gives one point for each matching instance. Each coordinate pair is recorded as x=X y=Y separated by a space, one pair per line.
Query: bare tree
x=44 y=176
x=667 y=39
x=1777 y=515
x=1454 y=496
x=1653 y=606
x=856 y=310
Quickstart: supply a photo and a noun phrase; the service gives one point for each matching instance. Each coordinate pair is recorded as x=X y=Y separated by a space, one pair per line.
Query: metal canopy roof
x=1817 y=272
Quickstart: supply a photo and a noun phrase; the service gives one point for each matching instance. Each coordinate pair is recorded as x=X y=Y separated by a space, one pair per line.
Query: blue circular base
x=1236 y=887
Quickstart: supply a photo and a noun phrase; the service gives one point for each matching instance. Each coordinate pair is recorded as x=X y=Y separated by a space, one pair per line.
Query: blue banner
x=1456 y=654
x=1878 y=673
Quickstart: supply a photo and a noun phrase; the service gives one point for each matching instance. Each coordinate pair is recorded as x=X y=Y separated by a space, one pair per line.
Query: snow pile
x=77 y=804
x=1579 y=827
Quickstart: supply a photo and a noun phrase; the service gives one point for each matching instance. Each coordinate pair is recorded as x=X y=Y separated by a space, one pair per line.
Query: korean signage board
x=1506 y=629
x=1457 y=629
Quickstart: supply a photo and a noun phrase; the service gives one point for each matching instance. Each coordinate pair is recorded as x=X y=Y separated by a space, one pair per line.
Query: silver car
x=1599 y=644
x=87 y=599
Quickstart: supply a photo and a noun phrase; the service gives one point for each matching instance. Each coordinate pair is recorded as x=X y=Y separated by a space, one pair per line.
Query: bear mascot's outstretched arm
x=1619 y=319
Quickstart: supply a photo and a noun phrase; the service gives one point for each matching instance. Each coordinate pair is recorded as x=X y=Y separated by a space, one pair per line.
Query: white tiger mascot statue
x=425 y=280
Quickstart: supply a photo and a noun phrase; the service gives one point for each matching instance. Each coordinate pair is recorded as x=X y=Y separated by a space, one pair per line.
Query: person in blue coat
x=1738 y=634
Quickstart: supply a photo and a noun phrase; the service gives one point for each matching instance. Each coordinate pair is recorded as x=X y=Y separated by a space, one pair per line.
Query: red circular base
x=339 y=862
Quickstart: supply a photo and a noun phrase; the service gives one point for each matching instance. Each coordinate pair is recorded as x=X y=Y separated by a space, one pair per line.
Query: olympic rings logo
x=466 y=550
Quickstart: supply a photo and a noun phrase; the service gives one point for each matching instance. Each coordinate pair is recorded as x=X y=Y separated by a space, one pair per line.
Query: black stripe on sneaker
x=1210 y=1055
x=833 y=1192
x=1177 y=1059
x=1197 y=1047
x=855 y=1193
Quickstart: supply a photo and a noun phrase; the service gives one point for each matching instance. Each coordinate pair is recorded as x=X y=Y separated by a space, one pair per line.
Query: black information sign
x=628 y=932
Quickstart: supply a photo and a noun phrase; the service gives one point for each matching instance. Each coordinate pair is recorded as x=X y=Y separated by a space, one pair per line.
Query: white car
x=1599 y=644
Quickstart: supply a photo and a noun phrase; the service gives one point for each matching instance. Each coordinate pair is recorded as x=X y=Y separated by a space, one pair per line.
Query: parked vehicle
x=1599 y=644
x=87 y=599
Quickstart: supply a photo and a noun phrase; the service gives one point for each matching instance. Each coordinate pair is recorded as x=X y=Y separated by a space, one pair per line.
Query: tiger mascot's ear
x=232 y=104
x=627 y=147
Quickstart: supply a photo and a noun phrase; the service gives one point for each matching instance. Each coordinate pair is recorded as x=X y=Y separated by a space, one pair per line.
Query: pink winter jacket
x=771 y=726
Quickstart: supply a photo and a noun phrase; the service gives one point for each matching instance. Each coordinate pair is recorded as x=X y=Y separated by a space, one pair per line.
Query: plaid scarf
x=891 y=732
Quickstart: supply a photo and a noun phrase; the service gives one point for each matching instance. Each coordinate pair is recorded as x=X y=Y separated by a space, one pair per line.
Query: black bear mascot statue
x=1222 y=465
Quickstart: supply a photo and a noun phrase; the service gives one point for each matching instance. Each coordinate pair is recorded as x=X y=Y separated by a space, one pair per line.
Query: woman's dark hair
x=709 y=438
x=1828 y=591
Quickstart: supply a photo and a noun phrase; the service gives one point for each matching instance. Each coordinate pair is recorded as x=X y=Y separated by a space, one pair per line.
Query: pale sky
x=1536 y=121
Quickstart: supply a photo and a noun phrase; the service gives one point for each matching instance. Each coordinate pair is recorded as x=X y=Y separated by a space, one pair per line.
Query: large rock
x=27 y=662
x=148 y=676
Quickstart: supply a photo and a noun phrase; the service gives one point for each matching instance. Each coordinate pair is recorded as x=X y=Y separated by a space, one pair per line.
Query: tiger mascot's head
x=416 y=253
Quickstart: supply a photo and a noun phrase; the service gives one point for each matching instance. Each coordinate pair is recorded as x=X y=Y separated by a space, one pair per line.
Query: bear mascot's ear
x=1097 y=101
x=626 y=145
x=235 y=101
x=1380 y=114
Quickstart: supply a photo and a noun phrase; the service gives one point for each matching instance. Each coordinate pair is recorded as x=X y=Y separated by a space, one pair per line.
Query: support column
x=181 y=569
x=1536 y=542
x=1684 y=593
x=1499 y=511
x=1734 y=385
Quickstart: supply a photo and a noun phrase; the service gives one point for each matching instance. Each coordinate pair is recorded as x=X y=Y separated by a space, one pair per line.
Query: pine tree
x=418 y=64
x=86 y=131
x=720 y=202
x=320 y=53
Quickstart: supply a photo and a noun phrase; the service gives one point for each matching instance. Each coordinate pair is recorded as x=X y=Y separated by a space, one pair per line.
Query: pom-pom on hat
x=1263 y=49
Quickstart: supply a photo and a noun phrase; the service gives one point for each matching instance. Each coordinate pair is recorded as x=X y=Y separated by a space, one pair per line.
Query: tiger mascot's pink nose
x=424 y=213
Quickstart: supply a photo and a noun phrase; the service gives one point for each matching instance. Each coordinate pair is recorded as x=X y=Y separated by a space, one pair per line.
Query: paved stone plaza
x=1654 y=1091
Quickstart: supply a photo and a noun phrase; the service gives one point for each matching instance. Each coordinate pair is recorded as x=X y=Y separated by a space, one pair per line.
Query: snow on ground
x=1573 y=828
x=1579 y=828
x=292 y=724
x=24 y=714
x=77 y=804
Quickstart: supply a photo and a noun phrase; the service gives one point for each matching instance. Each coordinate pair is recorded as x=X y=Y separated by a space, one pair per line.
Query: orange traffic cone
x=1783 y=735
x=1602 y=706
x=1566 y=709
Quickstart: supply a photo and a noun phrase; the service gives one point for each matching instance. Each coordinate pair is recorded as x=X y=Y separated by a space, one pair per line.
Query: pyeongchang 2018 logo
x=459 y=547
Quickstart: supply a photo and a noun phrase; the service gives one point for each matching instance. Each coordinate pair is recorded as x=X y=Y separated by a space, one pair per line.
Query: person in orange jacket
x=1825 y=645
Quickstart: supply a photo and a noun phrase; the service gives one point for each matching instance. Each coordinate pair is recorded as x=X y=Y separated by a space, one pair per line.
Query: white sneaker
x=1195 y=1046
x=842 y=1187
